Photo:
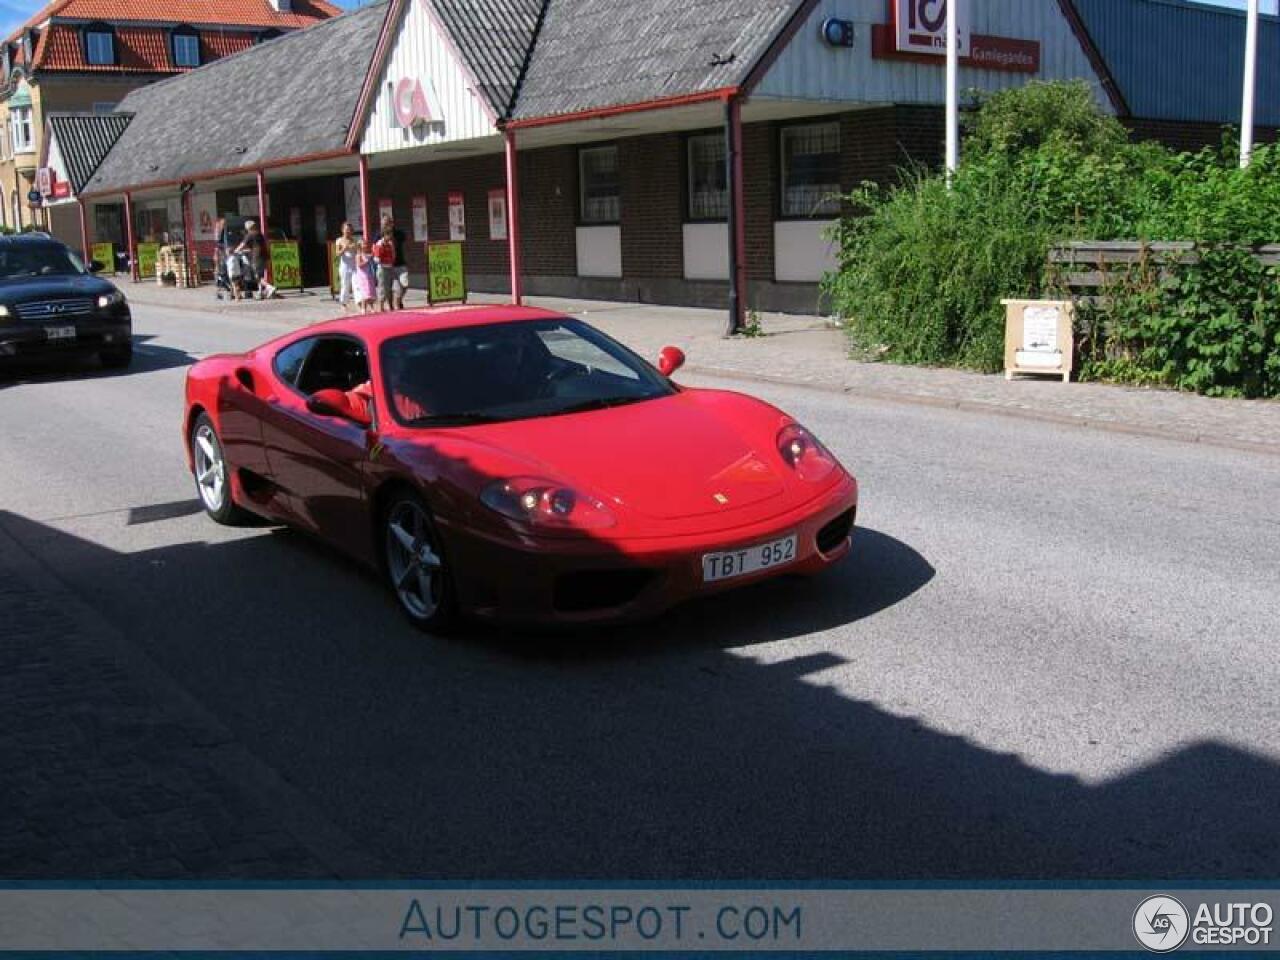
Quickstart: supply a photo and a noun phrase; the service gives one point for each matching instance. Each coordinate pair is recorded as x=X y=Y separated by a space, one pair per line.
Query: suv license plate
x=60 y=333
x=740 y=563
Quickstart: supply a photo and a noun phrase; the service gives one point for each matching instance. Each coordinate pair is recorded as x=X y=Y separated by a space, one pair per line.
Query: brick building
x=85 y=56
x=611 y=148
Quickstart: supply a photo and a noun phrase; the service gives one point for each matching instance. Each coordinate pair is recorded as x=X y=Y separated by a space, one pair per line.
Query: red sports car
x=513 y=464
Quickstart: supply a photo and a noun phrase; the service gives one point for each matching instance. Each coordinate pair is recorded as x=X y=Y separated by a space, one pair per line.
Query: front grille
x=51 y=311
x=834 y=534
x=598 y=589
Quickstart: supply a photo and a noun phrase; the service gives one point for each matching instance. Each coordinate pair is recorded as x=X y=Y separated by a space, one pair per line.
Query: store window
x=599 y=189
x=708 y=178
x=20 y=128
x=100 y=45
x=811 y=170
x=186 y=47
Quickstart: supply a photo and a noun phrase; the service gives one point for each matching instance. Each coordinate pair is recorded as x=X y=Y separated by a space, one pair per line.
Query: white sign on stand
x=1039 y=338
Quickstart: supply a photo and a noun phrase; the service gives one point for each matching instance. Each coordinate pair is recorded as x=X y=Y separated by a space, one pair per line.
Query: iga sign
x=921 y=25
x=414 y=102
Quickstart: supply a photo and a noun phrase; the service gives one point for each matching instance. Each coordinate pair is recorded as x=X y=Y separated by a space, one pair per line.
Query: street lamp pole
x=1250 y=84
x=953 y=91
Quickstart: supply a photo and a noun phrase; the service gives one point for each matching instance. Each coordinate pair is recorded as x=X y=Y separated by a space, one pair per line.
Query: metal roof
x=84 y=140
x=291 y=97
x=1183 y=61
x=494 y=38
x=593 y=54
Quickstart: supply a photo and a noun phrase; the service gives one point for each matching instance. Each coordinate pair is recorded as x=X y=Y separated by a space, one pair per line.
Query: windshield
x=512 y=371
x=39 y=260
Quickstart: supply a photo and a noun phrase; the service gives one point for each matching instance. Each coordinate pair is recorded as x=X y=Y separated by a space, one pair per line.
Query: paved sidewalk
x=811 y=352
x=111 y=771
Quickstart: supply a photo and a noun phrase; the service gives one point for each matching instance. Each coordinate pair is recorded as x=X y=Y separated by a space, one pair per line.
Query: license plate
x=740 y=563
x=60 y=333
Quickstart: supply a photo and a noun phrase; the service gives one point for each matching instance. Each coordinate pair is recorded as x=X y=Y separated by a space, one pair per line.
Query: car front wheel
x=416 y=567
x=213 y=476
x=117 y=358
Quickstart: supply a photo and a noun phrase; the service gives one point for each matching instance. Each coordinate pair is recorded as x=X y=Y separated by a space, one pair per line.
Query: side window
x=335 y=363
x=288 y=363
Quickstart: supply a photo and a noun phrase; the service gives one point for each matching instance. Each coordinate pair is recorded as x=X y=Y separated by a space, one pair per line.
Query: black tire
x=431 y=607
x=117 y=358
x=221 y=509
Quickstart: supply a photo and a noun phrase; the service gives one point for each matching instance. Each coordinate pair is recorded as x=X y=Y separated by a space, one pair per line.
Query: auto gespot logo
x=1162 y=924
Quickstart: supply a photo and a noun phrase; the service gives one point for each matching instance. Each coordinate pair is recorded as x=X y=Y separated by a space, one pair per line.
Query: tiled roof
x=138 y=49
x=494 y=38
x=239 y=13
x=278 y=100
x=84 y=140
x=591 y=54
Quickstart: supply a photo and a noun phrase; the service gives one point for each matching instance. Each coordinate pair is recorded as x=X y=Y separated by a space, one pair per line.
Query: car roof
x=31 y=238
x=379 y=327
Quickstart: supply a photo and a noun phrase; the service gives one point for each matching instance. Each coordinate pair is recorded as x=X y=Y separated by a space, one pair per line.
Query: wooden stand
x=1039 y=338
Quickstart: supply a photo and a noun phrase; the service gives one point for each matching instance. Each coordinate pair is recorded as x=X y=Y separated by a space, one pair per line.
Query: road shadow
x=700 y=747
x=148 y=357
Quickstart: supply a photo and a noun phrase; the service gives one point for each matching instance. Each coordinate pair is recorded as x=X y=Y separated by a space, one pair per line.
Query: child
x=364 y=280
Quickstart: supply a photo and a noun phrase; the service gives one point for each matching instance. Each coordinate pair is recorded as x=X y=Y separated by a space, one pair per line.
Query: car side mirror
x=335 y=403
x=96 y=266
x=670 y=360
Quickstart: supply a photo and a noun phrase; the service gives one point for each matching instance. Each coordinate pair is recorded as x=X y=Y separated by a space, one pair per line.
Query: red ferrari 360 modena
x=513 y=464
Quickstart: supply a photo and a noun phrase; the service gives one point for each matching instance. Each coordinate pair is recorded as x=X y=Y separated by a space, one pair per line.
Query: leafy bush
x=923 y=268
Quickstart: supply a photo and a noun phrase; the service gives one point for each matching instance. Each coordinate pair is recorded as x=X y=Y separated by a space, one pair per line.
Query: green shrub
x=923 y=268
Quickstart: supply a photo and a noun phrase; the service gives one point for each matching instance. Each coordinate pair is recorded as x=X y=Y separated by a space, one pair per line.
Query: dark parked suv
x=51 y=305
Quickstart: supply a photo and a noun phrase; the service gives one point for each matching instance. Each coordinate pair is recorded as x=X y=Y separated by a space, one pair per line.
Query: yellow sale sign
x=447 y=282
x=286 y=265
x=105 y=254
x=148 y=254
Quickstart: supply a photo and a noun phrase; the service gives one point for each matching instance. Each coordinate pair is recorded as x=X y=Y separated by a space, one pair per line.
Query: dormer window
x=186 y=47
x=100 y=45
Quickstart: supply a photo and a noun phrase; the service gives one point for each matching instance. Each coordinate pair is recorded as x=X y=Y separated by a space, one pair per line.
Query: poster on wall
x=322 y=222
x=247 y=205
x=420 y=220
x=204 y=213
x=497 y=215
x=295 y=222
x=351 y=194
x=386 y=211
x=457 y=216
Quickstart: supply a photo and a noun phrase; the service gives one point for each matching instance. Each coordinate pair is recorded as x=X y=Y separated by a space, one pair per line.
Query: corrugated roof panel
x=493 y=38
x=1177 y=60
x=84 y=140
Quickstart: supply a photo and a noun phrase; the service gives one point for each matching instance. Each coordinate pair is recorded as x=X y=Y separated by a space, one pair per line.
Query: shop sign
x=921 y=26
x=457 y=216
x=61 y=189
x=420 y=220
x=386 y=211
x=335 y=269
x=105 y=254
x=351 y=195
x=286 y=265
x=414 y=102
x=44 y=181
x=148 y=254
x=204 y=209
x=497 y=215
x=446 y=279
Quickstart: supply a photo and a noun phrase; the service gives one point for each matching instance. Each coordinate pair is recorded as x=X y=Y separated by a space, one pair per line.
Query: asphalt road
x=1052 y=655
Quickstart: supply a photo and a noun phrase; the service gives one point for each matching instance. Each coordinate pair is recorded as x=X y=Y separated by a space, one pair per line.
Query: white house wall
x=809 y=69
x=420 y=51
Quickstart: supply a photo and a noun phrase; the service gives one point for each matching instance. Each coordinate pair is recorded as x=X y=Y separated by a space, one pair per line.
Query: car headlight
x=802 y=452
x=4 y=311
x=110 y=299
x=543 y=503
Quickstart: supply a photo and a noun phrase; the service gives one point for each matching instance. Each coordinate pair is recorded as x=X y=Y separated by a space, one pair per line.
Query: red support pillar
x=366 y=228
x=188 y=240
x=84 y=234
x=262 y=223
x=513 y=220
x=128 y=234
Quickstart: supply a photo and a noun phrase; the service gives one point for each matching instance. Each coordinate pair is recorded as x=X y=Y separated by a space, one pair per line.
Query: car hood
x=689 y=454
x=45 y=288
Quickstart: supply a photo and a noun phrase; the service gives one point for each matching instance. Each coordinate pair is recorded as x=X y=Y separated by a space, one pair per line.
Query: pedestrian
x=254 y=246
x=385 y=253
x=364 y=281
x=346 y=248
x=220 y=279
x=401 y=265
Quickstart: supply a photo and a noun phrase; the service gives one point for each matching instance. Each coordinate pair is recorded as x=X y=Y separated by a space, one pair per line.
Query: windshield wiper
x=468 y=418
x=599 y=403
